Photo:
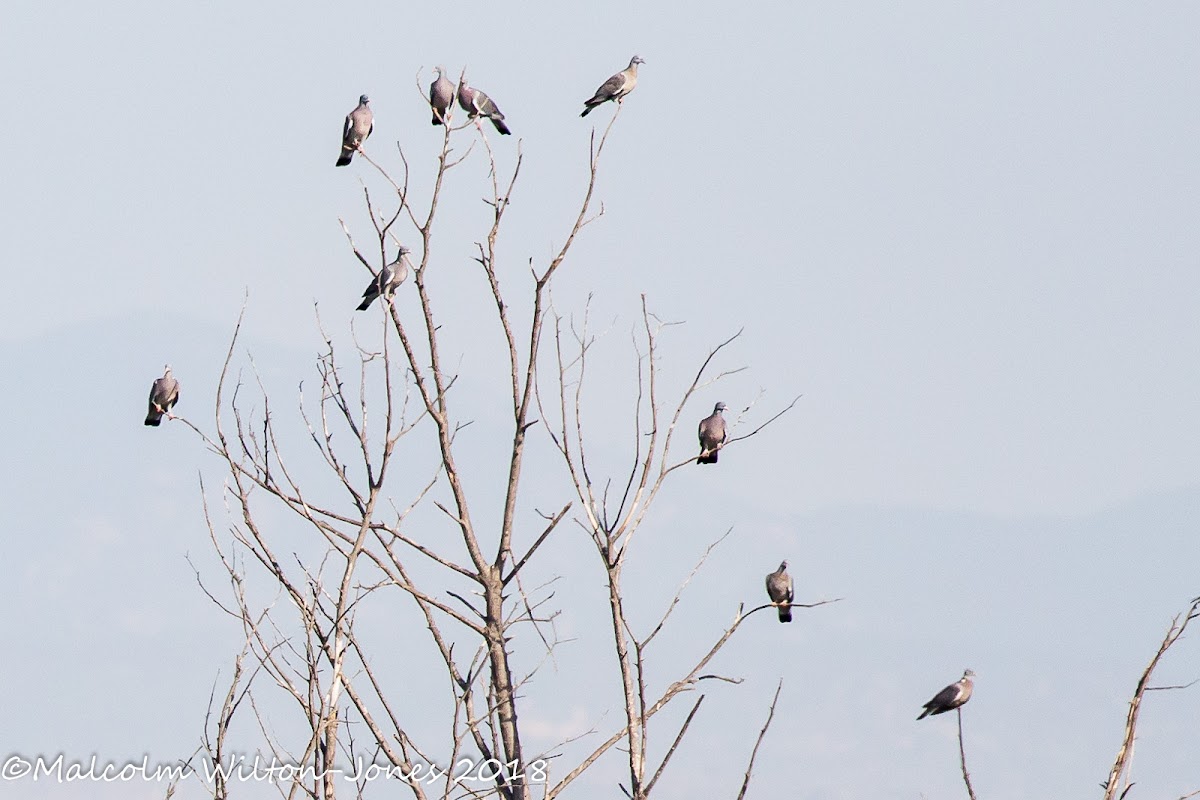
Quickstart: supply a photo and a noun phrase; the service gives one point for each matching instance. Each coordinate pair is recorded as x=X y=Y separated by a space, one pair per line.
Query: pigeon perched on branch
x=779 y=589
x=359 y=124
x=164 y=393
x=441 y=96
x=477 y=104
x=712 y=435
x=951 y=697
x=388 y=279
x=615 y=88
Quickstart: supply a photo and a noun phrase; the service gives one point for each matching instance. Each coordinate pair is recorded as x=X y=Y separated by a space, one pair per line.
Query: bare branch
x=1120 y=763
x=962 y=756
x=758 y=741
x=533 y=548
x=675 y=744
x=679 y=592
x=1188 y=685
x=785 y=409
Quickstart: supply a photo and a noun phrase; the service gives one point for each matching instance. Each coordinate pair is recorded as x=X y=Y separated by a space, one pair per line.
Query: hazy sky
x=966 y=233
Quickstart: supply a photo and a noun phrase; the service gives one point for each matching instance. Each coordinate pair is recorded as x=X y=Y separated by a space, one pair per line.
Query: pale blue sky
x=965 y=232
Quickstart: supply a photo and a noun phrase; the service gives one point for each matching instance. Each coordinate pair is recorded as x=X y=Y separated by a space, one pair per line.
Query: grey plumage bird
x=712 y=435
x=779 y=589
x=359 y=124
x=477 y=104
x=388 y=279
x=441 y=96
x=951 y=697
x=164 y=393
x=615 y=88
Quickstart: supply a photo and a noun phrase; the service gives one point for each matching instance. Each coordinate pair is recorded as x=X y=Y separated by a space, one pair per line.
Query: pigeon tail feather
x=785 y=614
x=708 y=458
x=154 y=418
x=500 y=126
x=344 y=158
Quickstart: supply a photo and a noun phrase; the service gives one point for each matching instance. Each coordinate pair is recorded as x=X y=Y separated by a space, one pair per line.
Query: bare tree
x=357 y=540
x=325 y=539
x=1118 y=775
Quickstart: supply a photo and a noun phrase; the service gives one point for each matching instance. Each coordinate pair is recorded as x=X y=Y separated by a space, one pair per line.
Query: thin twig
x=758 y=741
x=678 y=738
x=962 y=756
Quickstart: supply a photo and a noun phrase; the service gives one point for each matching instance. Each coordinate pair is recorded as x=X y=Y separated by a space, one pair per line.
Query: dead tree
x=1118 y=785
x=304 y=585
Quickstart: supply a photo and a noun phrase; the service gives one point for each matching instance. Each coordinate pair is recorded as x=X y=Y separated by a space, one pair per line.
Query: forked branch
x=1117 y=774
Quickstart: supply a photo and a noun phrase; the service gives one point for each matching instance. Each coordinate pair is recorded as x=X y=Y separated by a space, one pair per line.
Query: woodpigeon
x=388 y=279
x=359 y=124
x=616 y=87
x=779 y=589
x=712 y=434
x=951 y=697
x=441 y=96
x=164 y=393
x=478 y=104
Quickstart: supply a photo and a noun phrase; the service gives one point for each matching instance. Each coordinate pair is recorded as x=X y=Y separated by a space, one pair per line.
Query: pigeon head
x=166 y=369
x=970 y=673
x=363 y=99
x=719 y=407
x=636 y=60
x=403 y=251
x=782 y=566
